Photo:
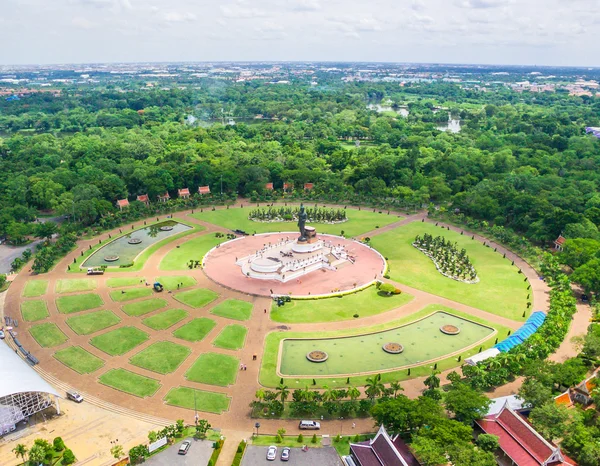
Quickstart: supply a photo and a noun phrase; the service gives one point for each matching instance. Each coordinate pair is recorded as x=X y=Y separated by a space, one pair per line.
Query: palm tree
x=328 y=394
x=433 y=381
x=260 y=394
x=283 y=392
x=353 y=393
x=374 y=387
x=396 y=387
x=20 y=451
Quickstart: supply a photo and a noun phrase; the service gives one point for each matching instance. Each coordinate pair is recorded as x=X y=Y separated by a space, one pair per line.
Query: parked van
x=309 y=425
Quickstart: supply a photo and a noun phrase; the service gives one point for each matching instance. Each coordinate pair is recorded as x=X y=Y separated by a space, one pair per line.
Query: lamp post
x=341 y=426
x=257 y=425
x=195 y=410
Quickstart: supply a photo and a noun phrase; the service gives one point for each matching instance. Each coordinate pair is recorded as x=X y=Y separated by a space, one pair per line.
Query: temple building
x=382 y=450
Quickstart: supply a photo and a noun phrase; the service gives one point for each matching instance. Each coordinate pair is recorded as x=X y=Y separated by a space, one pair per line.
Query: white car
x=185 y=446
x=272 y=453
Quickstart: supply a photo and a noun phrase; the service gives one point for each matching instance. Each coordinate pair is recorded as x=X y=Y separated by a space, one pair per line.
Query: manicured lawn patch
x=365 y=303
x=143 y=307
x=119 y=341
x=48 y=335
x=359 y=222
x=165 y=319
x=34 y=288
x=162 y=357
x=231 y=337
x=233 y=309
x=78 y=359
x=214 y=369
x=130 y=293
x=195 y=330
x=77 y=303
x=178 y=258
x=208 y=402
x=92 y=322
x=197 y=298
x=170 y=283
x=501 y=289
x=76 y=284
x=129 y=382
x=125 y=281
x=34 y=310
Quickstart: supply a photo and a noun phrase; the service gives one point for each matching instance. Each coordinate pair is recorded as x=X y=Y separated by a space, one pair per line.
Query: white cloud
x=484 y=3
x=241 y=12
x=82 y=23
x=305 y=5
x=176 y=17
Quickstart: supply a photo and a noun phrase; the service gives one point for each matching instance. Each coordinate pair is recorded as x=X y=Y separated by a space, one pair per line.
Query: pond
x=453 y=126
x=126 y=251
x=422 y=341
x=379 y=108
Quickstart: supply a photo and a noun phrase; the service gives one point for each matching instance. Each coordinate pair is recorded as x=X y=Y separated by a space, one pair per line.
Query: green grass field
x=233 y=309
x=129 y=382
x=195 y=330
x=164 y=320
x=35 y=288
x=214 y=369
x=359 y=222
x=34 y=310
x=76 y=284
x=365 y=303
x=196 y=298
x=501 y=290
x=125 y=281
x=92 y=322
x=231 y=337
x=48 y=335
x=208 y=402
x=170 y=283
x=78 y=359
x=162 y=357
x=143 y=307
x=119 y=341
x=196 y=248
x=130 y=293
x=78 y=303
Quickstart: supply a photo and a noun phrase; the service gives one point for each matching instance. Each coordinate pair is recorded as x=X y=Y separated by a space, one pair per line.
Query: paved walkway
x=236 y=423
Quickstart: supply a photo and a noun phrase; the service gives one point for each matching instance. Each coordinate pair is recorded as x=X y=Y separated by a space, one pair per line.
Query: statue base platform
x=305 y=247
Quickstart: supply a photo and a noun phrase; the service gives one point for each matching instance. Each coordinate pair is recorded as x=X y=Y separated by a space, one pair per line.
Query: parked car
x=73 y=395
x=272 y=453
x=94 y=271
x=184 y=448
x=1 y=335
x=309 y=425
x=285 y=454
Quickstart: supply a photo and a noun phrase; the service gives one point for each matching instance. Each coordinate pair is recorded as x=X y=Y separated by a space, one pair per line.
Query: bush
x=237 y=459
x=68 y=457
x=300 y=438
x=314 y=438
x=278 y=439
x=58 y=444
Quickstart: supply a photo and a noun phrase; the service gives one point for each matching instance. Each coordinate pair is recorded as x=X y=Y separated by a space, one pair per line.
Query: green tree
x=466 y=403
x=373 y=386
x=534 y=392
x=20 y=451
x=202 y=427
x=283 y=392
x=117 y=451
x=58 y=444
x=68 y=457
x=37 y=454
x=552 y=421
x=488 y=442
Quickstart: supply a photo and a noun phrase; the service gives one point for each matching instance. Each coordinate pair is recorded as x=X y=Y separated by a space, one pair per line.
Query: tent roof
x=16 y=376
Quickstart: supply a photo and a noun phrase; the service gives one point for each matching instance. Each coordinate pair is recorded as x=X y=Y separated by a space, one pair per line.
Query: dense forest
x=520 y=160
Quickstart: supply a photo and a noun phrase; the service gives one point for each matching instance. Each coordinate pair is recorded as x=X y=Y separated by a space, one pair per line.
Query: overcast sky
x=536 y=32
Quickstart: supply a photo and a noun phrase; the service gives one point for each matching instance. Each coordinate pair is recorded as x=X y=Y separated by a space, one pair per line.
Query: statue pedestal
x=304 y=247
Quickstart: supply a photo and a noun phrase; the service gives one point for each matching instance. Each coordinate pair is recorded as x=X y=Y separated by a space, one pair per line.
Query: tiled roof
x=204 y=189
x=383 y=451
x=365 y=455
x=143 y=198
x=183 y=192
x=560 y=240
x=269 y=186
x=564 y=399
x=165 y=196
x=122 y=202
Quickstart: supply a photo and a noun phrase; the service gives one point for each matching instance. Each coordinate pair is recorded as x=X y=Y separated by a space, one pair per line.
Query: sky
x=521 y=32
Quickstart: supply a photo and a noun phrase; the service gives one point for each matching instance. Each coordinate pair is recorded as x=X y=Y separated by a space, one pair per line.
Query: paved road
x=198 y=455
x=327 y=456
x=9 y=253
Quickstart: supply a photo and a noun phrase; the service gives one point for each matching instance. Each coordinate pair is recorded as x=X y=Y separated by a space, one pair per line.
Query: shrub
x=58 y=444
x=300 y=438
x=278 y=439
x=314 y=438
x=68 y=457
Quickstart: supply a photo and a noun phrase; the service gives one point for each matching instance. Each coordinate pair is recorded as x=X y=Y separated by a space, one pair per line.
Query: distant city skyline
x=494 y=32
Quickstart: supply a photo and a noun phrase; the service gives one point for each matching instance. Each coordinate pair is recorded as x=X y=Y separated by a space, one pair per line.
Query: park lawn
x=34 y=288
x=129 y=294
x=170 y=283
x=91 y=322
x=501 y=289
x=194 y=249
x=34 y=310
x=162 y=357
x=78 y=359
x=268 y=371
x=196 y=298
x=129 y=382
x=125 y=281
x=78 y=303
x=143 y=307
x=359 y=221
x=214 y=369
x=71 y=285
x=48 y=335
x=231 y=337
x=195 y=330
x=365 y=303
x=233 y=309
x=119 y=341
x=164 y=320
x=202 y=400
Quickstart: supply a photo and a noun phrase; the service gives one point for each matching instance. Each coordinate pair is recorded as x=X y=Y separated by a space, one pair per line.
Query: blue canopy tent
x=531 y=326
